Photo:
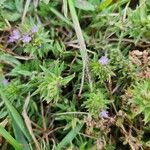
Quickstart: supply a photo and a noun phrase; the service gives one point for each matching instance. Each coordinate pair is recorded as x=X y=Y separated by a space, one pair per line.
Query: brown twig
x=147 y=44
x=44 y=123
x=6 y=50
x=51 y=131
x=89 y=136
x=28 y=122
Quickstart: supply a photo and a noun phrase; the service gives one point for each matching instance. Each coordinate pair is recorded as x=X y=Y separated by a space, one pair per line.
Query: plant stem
x=83 y=50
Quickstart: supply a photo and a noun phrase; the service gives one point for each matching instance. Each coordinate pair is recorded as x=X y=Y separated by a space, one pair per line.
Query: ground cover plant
x=75 y=74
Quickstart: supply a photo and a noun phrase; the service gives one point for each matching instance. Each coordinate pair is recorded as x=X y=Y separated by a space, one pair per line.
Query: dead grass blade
x=28 y=122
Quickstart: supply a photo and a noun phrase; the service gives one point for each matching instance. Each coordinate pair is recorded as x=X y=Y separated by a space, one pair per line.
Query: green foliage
x=50 y=82
x=15 y=115
x=76 y=100
x=122 y=66
x=141 y=98
x=40 y=44
x=139 y=20
x=85 y=5
x=69 y=137
x=13 y=90
x=102 y=72
x=104 y=4
x=96 y=102
x=10 y=139
x=11 y=10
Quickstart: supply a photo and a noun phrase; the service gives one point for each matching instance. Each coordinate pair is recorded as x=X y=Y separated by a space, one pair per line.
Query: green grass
x=74 y=74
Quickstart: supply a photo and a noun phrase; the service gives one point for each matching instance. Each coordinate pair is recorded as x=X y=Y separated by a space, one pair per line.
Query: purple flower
x=103 y=60
x=26 y=38
x=104 y=114
x=11 y=39
x=5 y=82
x=34 y=29
x=14 y=36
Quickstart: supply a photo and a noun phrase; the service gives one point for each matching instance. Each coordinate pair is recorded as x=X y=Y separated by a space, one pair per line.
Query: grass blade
x=69 y=137
x=25 y=9
x=105 y=4
x=10 y=139
x=59 y=15
x=83 y=50
x=19 y=136
x=16 y=116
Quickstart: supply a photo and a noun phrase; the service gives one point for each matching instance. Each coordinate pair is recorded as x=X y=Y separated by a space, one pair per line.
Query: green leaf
x=19 y=5
x=95 y=2
x=10 y=139
x=69 y=137
x=17 y=71
x=19 y=136
x=60 y=16
x=2 y=2
x=9 y=59
x=46 y=1
x=67 y=79
x=11 y=16
x=15 y=115
x=104 y=4
x=83 y=4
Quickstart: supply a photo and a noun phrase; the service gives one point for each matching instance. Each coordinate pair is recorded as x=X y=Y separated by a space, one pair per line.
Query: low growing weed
x=74 y=74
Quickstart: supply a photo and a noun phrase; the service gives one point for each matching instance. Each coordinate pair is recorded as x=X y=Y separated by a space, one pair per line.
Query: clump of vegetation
x=74 y=74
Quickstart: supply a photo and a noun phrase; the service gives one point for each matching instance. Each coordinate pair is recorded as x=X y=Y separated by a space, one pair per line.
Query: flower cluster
x=103 y=60
x=26 y=38
x=14 y=36
x=34 y=29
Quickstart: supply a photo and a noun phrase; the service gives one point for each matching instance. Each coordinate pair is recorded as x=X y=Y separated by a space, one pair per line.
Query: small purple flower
x=11 y=39
x=26 y=38
x=5 y=82
x=103 y=60
x=104 y=114
x=34 y=29
x=14 y=36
